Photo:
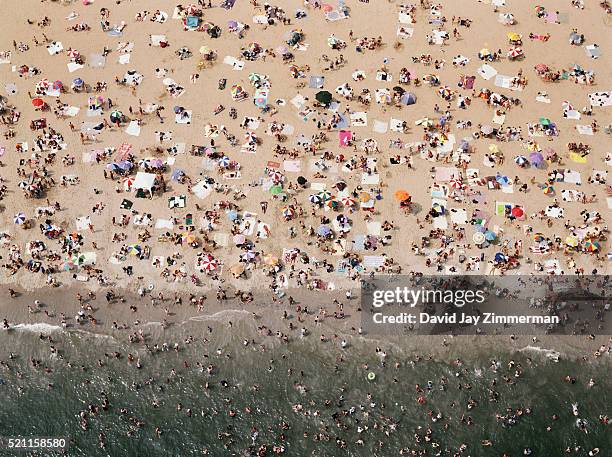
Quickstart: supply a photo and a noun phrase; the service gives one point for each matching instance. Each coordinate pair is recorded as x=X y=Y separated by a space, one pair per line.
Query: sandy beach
x=169 y=170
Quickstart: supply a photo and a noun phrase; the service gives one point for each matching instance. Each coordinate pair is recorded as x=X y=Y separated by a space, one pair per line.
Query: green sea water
x=340 y=412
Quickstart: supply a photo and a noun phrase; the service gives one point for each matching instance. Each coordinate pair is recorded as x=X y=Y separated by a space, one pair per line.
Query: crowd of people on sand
x=319 y=207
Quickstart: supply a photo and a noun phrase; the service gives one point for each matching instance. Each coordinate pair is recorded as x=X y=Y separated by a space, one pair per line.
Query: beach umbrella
x=324 y=230
x=276 y=189
x=248 y=255
x=364 y=197
x=521 y=160
x=232 y=24
x=489 y=235
x=478 y=238
x=38 y=102
x=237 y=91
x=67 y=265
x=456 y=183
x=571 y=241
x=513 y=36
x=536 y=158
x=19 y=218
x=592 y=245
x=515 y=52
x=78 y=82
x=288 y=212
x=232 y=215
x=261 y=98
x=301 y=180
x=58 y=85
x=538 y=237
x=224 y=161
x=177 y=174
x=541 y=68
x=73 y=53
x=333 y=203
x=348 y=201
x=545 y=122
x=401 y=195
x=134 y=249
x=506 y=18
x=78 y=259
x=325 y=195
x=517 y=212
x=408 y=98
x=191 y=8
x=208 y=263
x=43 y=85
x=314 y=198
x=116 y=116
x=254 y=78
x=484 y=52
x=128 y=182
x=574 y=38
x=548 y=190
x=324 y=97
x=276 y=176
x=500 y=257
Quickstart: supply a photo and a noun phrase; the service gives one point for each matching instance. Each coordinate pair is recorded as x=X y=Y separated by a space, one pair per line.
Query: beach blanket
x=486 y=71
x=601 y=98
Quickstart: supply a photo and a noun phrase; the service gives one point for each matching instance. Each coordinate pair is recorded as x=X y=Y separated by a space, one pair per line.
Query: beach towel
x=72 y=67
x=55 y=48
x=164 y=224
x=373 y=261
x=133 y=128
x=82 y=223
x=380 y=127
x=359 y=119
x=584 y=129
x=124 y=59
x=486 y=71
x=157 y=40
x=405 y=32
x=396 y=125
x=370 y=179
x=96 y=61
x=202 y=190
x=499 y=119
x=316 y=82
x=458 y=216
x=374 y=228
x=222 y=239
x=601 y=98
x=345 y=137
x=506 y=83
x=234 y=63
x=593 y=51
x=292 y=166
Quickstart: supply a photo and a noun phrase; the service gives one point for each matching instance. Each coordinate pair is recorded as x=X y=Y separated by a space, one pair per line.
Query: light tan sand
x=366 y=20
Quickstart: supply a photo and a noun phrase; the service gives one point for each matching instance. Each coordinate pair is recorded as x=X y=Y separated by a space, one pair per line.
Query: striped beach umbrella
x=19 y=218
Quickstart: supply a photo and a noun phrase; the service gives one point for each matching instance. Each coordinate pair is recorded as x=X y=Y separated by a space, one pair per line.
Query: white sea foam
x=39 y=327
x=550 y=353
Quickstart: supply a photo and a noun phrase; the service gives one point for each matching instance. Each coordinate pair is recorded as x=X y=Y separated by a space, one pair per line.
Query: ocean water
x=332 y=393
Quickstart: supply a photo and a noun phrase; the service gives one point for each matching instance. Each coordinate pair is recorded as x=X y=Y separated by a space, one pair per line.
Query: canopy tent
x=144 y=181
